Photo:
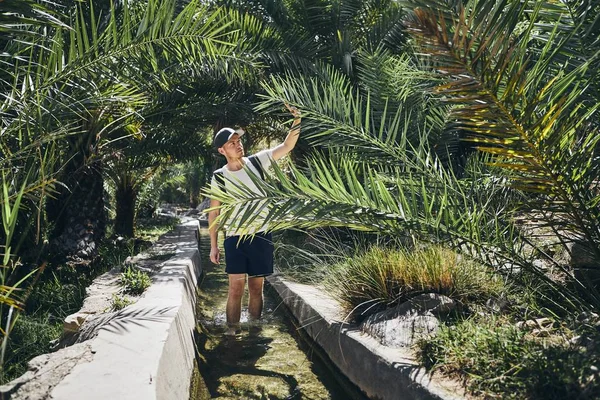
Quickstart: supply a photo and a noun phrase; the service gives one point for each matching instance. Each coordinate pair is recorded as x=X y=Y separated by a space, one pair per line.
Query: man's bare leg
x=255 y=301
x=237 y=284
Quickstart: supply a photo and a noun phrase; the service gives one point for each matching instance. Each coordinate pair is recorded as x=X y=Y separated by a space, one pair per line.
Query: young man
x=252 y=258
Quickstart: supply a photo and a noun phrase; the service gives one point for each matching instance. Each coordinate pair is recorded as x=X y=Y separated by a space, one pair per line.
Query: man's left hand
x=293 y=110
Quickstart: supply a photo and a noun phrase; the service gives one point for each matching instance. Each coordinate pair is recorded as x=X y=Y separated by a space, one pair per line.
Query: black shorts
x=252 y=256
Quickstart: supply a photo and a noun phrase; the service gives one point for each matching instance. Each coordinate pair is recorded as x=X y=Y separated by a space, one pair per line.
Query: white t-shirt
x=232 y=181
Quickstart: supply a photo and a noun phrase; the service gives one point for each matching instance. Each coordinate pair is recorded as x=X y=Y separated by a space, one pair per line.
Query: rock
x=412 y=320
x=583 y=316
x=497 y=304
x=402 y=332
x=588 y=318
x=138 y=243
x=73 y=322
x=582 y=256
x=542 y=323
x=437 y=304
x=203 y=205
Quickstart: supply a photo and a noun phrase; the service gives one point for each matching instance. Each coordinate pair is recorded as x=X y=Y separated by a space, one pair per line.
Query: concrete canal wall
x=144 y=351
x=381 y=372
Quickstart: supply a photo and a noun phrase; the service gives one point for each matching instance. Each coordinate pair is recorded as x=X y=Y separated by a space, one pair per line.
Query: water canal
x=271 y=360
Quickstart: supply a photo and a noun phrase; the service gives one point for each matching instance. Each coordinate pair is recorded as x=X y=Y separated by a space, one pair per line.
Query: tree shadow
x=121 y=322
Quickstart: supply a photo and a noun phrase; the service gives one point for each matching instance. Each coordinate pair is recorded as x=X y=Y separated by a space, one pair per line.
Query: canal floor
x=269 y=360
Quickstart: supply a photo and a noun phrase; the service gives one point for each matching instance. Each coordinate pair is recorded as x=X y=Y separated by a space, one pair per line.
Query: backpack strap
x=257 y=164
x=220 y=178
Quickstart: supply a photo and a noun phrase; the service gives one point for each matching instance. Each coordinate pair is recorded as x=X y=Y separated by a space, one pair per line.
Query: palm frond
x=336 y=114
x=424 y=200
x=17 y=14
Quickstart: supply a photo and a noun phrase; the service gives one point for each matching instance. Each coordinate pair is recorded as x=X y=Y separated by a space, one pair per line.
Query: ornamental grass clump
x=386 y=277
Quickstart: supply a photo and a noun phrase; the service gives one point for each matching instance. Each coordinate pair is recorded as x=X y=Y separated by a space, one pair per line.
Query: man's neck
x=235 y=164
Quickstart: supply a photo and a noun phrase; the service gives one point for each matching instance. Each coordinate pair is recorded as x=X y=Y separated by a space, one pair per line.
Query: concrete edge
x=176 y=364
x=147 y=350
x=379 y=371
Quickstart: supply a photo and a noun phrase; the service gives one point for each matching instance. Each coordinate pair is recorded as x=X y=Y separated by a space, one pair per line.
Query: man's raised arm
x=292 y=138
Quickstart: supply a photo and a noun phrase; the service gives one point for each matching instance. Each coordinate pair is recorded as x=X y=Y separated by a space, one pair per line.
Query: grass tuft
x=134 y=281
x=391 y=276
x=30 y=336
x=119 y=302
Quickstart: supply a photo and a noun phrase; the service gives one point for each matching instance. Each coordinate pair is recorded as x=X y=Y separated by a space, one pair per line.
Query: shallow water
x=268 y=360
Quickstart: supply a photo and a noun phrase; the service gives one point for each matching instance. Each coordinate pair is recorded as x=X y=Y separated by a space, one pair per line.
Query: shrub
x=57 y=298
x=500 y=360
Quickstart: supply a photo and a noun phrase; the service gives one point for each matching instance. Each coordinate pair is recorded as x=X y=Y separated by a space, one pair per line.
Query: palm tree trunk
x=78 y=214
x=125 y=196
x=194 y=198
x=194 y=183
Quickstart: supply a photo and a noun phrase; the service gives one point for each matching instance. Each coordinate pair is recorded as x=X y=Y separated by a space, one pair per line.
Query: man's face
x=233 y=148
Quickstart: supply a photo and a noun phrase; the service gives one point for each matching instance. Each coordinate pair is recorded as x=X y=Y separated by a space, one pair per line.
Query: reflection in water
x=265 y=361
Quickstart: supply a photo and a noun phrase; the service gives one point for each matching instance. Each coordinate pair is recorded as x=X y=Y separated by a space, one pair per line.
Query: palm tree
x=530 y=100
x=302 y=38
x=96 y=77
x=16 y=14
x=27 y=164
x=490 y=69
